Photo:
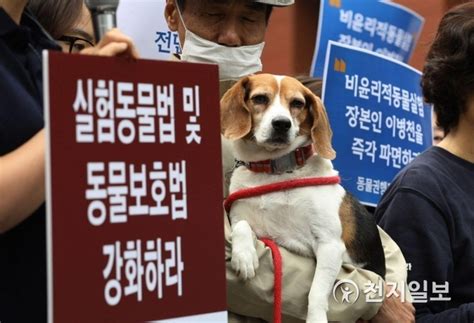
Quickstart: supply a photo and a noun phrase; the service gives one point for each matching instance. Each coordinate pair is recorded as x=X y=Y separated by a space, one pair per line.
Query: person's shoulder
x=416 y=182
x=420 y=179
x=423 y=171
x=41 y=39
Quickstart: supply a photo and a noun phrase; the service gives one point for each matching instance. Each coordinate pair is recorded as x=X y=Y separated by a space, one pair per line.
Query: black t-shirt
x=23 y=248
x=429 y=211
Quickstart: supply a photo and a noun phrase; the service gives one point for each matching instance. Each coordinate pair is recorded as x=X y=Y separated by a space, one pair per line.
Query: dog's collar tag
x=284 y=164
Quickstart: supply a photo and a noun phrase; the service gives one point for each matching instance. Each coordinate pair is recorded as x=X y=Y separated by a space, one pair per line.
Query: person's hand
x=113 y=43
x=394 y=310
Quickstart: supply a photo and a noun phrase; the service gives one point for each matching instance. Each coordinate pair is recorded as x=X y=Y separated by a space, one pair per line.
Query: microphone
x=103 y=15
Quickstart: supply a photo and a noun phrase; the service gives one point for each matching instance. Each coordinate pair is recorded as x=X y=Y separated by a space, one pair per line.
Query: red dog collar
x=280 y=165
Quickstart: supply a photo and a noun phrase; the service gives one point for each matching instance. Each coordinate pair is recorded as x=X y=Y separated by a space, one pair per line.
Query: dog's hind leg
x=329 y=260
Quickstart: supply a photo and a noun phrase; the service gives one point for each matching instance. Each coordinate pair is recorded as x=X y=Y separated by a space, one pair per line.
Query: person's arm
x=421 y=231
x=254 y=298
x=22 y=188
x=395 y=308
x=22 y=183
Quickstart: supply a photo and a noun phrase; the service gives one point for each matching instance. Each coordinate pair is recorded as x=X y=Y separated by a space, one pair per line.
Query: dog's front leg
x=244 y=255
x=329 y=260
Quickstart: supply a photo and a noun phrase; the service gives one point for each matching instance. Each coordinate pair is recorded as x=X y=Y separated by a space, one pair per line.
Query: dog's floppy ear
x=236 y=120
x=321 y=132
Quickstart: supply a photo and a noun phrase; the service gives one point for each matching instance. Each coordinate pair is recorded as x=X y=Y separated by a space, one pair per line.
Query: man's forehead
x=248 y=3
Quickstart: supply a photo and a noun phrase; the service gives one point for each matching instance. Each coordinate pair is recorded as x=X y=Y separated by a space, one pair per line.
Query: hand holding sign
x=114 y=43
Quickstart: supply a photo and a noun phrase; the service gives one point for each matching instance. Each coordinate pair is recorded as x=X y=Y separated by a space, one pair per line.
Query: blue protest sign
x=378 y=117
x=384 y=27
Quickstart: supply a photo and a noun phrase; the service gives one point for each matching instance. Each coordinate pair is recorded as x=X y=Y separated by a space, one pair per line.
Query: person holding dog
x=429 y=207
x=231 y=34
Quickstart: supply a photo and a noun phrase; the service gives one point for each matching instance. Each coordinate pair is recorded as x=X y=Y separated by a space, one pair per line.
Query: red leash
x=277 y=260
x=277 y=278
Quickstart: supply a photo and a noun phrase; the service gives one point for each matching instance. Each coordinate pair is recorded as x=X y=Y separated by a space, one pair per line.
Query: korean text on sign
x=125 y=112
x=132 y=268
x=117 y=190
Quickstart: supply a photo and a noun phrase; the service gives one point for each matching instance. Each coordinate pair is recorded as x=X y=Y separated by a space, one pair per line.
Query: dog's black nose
x=281 y=124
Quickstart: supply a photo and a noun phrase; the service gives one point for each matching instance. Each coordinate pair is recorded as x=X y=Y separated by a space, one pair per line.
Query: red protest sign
x=135 y=222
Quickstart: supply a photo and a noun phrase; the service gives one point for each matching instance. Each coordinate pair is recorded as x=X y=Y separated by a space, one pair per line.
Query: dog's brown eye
x=297 y=104
x=260 y=99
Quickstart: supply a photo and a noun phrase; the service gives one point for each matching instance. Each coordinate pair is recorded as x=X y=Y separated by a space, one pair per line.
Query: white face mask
x=234 y=62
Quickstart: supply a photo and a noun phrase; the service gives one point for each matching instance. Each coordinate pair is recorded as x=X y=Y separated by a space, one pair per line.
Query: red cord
x=279 y=186
x=277 y=265
x=277 y=261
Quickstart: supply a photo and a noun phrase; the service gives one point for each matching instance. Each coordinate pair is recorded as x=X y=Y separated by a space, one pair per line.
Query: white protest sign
x=144 y=21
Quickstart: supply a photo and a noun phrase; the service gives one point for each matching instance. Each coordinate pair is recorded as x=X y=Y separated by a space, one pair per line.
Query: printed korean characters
x=371 y=185
x=167 y=42
x=373 y=120
x=127 y=112
x=386 y=32
x=154 y=268
x=346 y=291
x=117 y=191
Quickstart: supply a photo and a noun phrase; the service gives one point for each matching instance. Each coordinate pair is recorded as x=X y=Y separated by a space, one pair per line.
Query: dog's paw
x=317 y=316
x=245 y=262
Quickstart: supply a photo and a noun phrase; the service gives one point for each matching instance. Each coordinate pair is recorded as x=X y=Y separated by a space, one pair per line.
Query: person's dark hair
x=181 y=4
x=448 y=74
x=56 y=16
x=314 y=84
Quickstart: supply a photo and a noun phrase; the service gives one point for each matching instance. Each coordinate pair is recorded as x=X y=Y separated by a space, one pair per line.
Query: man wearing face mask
x=224 y=32
x=231 y=34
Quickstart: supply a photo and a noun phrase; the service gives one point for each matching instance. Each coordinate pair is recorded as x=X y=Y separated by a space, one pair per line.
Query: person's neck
x=459 y=141
x=14 y=8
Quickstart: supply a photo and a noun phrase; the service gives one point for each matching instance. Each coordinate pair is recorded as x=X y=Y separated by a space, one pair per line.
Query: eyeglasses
x=76 y=44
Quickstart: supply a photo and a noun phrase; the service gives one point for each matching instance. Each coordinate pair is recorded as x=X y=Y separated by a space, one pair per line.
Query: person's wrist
x=375 y=305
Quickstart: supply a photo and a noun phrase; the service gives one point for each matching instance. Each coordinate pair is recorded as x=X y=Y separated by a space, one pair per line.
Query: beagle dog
x=280 y=132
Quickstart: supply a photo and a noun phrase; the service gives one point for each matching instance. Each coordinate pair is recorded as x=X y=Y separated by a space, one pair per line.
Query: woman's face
x=81 y=36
